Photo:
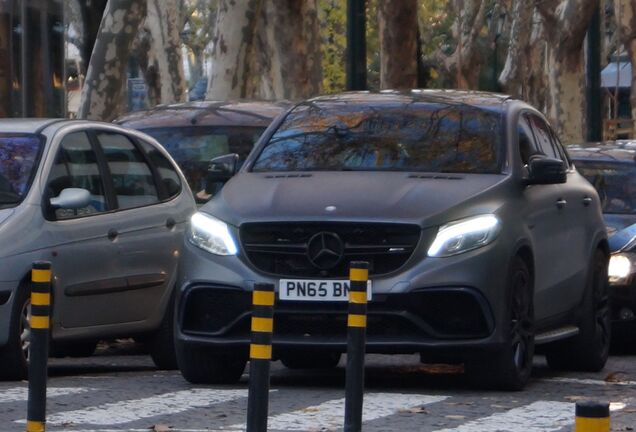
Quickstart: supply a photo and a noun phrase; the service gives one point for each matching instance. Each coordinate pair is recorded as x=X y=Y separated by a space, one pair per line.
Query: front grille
x=431 y=314
x=282 y=249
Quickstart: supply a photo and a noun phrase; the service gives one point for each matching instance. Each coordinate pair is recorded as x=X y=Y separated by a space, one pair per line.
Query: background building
x=32 y=58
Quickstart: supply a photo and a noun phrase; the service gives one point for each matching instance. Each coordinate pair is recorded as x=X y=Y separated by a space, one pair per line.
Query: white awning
x=610 y=75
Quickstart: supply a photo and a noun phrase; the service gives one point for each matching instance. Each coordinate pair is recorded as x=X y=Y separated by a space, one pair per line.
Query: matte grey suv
x=482 y=240
x=107 y=206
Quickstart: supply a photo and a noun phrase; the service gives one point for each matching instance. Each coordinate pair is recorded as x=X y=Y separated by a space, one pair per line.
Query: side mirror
x=71 y=198
x=220 y=170
x=545 y=170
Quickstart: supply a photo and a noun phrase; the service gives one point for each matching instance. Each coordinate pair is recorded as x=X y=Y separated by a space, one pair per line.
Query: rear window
x=429 y=137
x=19 y=156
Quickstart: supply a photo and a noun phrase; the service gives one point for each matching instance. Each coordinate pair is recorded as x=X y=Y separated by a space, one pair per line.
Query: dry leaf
x=617 y=376
x=161 y=428
x=455 y=417
x=417 y=410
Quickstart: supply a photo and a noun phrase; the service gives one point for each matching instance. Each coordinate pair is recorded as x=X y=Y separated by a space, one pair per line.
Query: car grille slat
x=284 y=249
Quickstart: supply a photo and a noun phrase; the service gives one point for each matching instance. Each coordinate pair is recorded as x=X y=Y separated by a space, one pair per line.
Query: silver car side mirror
x=71 y=198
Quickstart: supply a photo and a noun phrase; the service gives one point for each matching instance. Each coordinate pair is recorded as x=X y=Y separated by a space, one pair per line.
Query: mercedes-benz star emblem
x=325 y=250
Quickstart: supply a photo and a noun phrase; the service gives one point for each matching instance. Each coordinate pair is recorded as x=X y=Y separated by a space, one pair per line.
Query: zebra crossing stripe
x=330 y=414
x=19 y=394
x=138 y=409
x=541 y=416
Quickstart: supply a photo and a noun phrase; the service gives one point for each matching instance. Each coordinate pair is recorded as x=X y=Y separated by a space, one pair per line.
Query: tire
x=70 y=349
x=589 y=350
x=202 y=365
x=310 y=360
x=511 y=366
x=161 y=345
x=14 y=356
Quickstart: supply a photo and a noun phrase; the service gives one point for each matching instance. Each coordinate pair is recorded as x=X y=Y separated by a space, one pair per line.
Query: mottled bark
x=163 y=22
x=286 y=62
x=625 y=11
x=517 y=60
x=397 y=23
x=464 y=64
x=233 y=43
x=105 y=85
x=268 y=49
x=566 y=23
x=92 y=12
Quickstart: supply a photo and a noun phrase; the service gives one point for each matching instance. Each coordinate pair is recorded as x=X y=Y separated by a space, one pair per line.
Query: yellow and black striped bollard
x=356 y=341
x=592 y=417
x=39 y=345
x=260 y=357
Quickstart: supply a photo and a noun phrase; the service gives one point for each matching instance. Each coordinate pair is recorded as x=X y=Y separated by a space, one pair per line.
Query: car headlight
x=619 y=269
x=211 y=234
x=464 y=235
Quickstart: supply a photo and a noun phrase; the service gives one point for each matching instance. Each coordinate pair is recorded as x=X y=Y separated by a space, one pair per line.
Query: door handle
x=112 y=234
x=561 y=203
x=170 y=223
x=587 y=201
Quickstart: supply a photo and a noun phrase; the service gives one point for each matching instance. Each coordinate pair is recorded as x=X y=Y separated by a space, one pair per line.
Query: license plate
x=316 y=290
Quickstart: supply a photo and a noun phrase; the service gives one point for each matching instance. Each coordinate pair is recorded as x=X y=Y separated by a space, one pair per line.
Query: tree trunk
x=625 y=11
x=92 y=12
x=233 y=43
x=163 y=22
x=397 y=22
x=566 y=23
x=287 y=60
x=105 y=85
x=512 y=76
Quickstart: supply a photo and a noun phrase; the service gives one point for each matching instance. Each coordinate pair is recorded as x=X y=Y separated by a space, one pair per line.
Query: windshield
x=430 y=137
x=614 y=182
x=193 y=148
x=19 y=155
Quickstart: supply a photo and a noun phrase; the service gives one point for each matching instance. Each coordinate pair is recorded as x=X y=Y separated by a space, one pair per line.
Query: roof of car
x=206 y=113
x=486 y=100
x=610 y=151
x=27 y=125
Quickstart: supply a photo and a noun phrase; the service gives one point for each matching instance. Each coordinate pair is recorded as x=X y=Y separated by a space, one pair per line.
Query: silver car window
x=76 y=166
x=133 y=181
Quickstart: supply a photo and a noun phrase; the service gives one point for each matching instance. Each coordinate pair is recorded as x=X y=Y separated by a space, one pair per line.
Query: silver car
x=107 y=207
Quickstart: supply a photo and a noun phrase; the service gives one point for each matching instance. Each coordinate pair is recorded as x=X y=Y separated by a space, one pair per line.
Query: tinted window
x=193 y=147
x=18 y=162
x=526 y=141
x=543 y=136
x=398 y=137
x=133 y=182
x=167 y=172
x=615 y=183
x=75 y=166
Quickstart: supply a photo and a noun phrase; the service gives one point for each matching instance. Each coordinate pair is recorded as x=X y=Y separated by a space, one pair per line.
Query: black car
x=611 y=168
x=195 y=132
x=481 y=237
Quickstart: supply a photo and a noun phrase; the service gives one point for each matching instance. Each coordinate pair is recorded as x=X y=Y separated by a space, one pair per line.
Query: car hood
x=4 y=214
x=621 y=229
x=363 y=196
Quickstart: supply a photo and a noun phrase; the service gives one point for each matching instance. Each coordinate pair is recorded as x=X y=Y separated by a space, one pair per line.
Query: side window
x=133 y=182
x=526 y=144
x=543 y=136
x=167 y=172
x=559 y=148
x=76 y=166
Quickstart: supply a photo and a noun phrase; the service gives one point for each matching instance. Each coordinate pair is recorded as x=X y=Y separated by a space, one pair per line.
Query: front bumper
x=434 y=304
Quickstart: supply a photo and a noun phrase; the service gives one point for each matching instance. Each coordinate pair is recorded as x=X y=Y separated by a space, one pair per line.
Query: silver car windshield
x=429 y=137
x=19 y=157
